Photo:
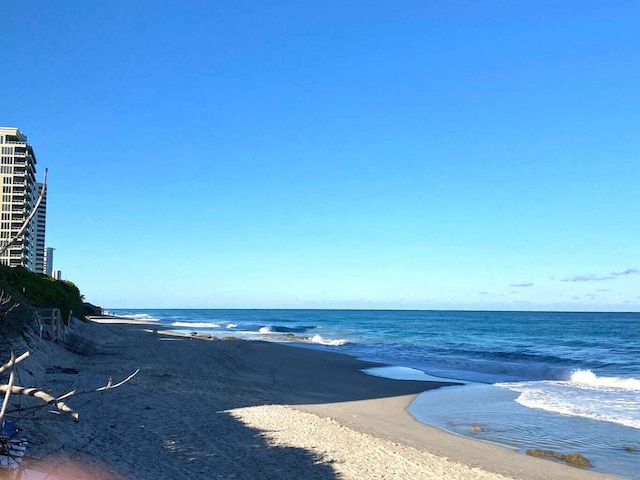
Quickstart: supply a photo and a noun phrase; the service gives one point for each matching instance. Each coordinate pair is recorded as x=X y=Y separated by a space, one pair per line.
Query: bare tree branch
x=109 y=386
x=5 y=402
x=14 y=361
x=40 y=394
x=4 y=309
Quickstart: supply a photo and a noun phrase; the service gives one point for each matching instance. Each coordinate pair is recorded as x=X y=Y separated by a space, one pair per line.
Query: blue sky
x=361 y=154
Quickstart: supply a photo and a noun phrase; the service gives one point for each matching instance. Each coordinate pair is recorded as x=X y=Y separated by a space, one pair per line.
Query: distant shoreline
x=377 y=310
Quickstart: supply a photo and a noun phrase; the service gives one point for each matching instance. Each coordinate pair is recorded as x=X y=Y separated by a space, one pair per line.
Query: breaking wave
x=195 y=325
x=333 y=343
x=584 y=394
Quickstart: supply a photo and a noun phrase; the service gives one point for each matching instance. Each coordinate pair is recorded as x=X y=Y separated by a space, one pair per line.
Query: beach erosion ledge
x=244 y=410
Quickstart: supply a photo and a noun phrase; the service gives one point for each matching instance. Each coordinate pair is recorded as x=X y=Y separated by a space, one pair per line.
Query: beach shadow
x=200 y=441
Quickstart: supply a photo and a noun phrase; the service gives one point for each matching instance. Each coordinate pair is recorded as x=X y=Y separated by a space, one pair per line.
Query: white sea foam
x=138 y=316
x=586 y=395
x=333 y=343
x=403 y=373
x=232 y=325
x=196 y=324
x=265 y=330
x=587 y=378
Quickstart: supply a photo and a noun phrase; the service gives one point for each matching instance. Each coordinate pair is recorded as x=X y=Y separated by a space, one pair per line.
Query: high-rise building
x=19 y=196
x=48 y=261
x=40 y=222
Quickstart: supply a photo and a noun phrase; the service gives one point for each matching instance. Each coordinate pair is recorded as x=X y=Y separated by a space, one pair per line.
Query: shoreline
x=250 y=409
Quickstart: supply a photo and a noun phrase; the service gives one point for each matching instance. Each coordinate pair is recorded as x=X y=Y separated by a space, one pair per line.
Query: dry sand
x=242 y=410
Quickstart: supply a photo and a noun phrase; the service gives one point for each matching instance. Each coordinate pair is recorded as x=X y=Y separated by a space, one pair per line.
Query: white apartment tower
x=48 y=261
x=19 y=195
x=40 y=222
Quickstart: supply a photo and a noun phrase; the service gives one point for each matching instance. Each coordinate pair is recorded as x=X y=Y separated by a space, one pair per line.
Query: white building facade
x=40 y=223
x=19 y=195
x=48 y=261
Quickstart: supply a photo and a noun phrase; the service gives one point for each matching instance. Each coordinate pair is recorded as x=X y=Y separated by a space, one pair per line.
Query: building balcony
x=21 y=161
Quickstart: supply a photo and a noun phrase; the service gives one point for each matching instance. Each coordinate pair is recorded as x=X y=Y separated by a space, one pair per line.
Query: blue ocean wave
x=285 y=329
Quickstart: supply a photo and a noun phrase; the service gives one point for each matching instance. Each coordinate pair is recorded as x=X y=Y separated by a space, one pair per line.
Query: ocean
x=567 y=382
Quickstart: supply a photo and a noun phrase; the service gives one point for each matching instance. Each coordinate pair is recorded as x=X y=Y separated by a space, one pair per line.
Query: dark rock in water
x=577 y=460
x=535 y=452
x=230 y=339
x=631 y=449
x=573 y=459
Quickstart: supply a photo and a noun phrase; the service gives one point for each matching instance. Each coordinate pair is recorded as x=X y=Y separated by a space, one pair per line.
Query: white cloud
x=587 y=278
x=627 y=271
x=524 y=284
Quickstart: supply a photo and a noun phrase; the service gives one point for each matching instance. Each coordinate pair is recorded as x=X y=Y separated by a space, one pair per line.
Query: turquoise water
x=561 y=381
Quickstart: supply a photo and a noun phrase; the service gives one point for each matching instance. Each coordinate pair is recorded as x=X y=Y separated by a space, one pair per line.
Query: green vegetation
x=35 y=290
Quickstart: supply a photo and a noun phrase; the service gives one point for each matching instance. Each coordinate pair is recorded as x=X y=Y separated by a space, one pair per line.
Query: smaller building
x=48 y=261
x=40 y=222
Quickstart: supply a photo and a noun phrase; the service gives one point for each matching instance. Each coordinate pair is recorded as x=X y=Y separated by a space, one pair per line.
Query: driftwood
x=14 y=361
x=12 y=448
x=41 y=395
x=10 y=389
x=9 y=386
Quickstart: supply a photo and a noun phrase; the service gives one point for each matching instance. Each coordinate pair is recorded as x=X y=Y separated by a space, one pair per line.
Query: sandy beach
x=235 y=409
